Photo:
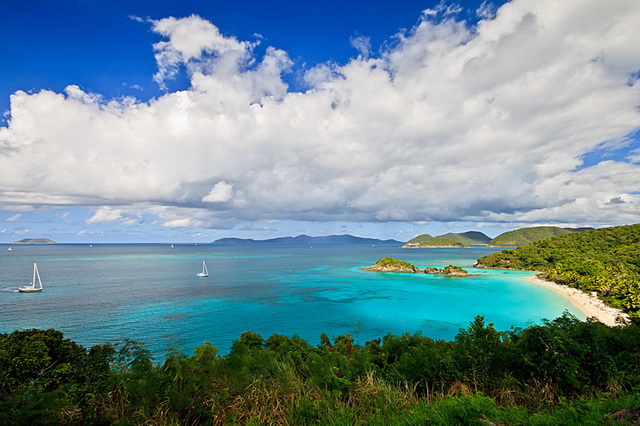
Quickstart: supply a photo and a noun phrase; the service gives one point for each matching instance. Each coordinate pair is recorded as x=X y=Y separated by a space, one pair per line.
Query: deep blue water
x=150 y=293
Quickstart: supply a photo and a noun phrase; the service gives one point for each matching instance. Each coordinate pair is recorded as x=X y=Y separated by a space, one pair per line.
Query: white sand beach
x=590 y=305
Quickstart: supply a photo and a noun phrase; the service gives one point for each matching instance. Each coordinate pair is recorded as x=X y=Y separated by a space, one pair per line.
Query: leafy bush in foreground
x=561 y=372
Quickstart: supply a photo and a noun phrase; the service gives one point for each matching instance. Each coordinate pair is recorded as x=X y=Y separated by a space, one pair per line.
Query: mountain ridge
x=343 y=239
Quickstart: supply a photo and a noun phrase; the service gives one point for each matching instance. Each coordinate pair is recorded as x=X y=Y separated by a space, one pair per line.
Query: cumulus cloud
x=220 y=193
x=191 y=41
x=14 y=218
x=105 y=215
x=451 y=123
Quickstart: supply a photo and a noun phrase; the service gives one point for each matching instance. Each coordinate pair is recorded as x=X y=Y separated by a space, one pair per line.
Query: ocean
x=150 y=293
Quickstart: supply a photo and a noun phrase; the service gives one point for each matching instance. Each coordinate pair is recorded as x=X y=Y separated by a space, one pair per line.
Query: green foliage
x=45 y=378
x=452 y=270
x=603 y=260
x=427 y=240
x=390 y=261
x=451 y=239
x=564 y=371
x=445 y=242
x=421 y=239
x=524 y=236
x=468 y=238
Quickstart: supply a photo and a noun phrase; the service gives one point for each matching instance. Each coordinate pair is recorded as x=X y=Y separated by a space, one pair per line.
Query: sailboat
x=205 y=271
x=33 y=288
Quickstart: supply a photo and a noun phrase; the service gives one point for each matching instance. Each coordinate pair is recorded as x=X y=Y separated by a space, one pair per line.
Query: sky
x=193 y=120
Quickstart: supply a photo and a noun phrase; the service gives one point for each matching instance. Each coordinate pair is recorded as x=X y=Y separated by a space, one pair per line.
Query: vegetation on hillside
x=468 y=238
x=524 y=236
x=390 y=261
x=426 y=240
x=605 y=260
x=389 y=264
x=561 y=372
x=34 y=241
x=447 y=270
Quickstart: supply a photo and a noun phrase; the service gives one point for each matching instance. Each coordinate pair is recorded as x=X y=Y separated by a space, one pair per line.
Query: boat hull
x=29 y=290
x=201 y=275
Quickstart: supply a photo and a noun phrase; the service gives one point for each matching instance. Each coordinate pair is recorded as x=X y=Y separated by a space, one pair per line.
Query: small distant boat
x=10 y=249
x=33 y=287
x=171 y=245
x=205 y=271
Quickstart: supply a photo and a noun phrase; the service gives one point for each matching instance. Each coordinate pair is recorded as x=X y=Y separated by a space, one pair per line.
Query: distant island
x=307 y=240
x=34 y=241
x=515 y=238
x=389 y=264
x=453 y=240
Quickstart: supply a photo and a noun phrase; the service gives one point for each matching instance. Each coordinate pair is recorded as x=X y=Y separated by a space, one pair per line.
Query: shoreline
x=591 y=306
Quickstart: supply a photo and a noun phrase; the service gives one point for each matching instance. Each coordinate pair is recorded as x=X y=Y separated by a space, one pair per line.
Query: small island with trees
x=34 y=241
x=389 y=264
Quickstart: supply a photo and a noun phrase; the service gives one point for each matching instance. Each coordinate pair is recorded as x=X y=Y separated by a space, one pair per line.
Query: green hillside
x=605 y=260
x=450 y=240
x=421 y=239
x=426 y=240
x=524 y=236
x=468 y=238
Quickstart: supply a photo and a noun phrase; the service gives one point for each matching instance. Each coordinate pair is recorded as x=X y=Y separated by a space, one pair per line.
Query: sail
x=36 y=283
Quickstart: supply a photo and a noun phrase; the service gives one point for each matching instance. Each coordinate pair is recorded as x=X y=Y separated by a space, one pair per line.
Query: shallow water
x=149 y=292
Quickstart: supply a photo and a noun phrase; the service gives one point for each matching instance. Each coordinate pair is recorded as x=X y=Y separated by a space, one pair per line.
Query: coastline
x=591 y=306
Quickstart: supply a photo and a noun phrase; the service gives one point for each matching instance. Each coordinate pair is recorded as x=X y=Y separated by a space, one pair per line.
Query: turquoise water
x=150 y=293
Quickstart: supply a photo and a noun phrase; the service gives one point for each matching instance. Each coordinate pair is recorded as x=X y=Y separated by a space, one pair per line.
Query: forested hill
x=603 y=260
x=468 y=238
x=521 y=237
x=449 y=240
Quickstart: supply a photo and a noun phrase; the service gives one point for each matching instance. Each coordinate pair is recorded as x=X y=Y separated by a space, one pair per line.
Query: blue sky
x=194 y=120
x=97 y=46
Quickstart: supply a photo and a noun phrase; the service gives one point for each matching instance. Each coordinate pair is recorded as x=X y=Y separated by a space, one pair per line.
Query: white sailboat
x=205 y=271
x=33 y=287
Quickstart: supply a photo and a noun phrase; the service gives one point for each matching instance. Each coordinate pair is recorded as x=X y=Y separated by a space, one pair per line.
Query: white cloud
x=362 y=45
x=14 y=218
x=451 y=123
x=220 y=193
x=180 y=223
x=190 y=40
x=486 y=10
x=105 y=215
